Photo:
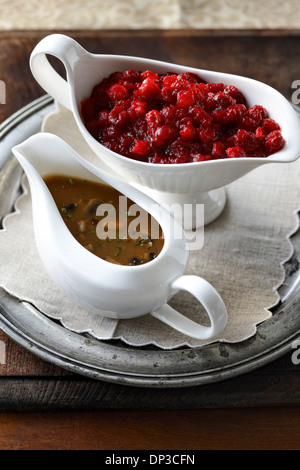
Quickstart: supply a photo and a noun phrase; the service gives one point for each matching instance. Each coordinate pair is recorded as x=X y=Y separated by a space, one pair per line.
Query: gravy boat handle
x=68 y=51
x=210 y=299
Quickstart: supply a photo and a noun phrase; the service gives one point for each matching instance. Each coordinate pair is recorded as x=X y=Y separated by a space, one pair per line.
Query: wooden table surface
x=45 y=407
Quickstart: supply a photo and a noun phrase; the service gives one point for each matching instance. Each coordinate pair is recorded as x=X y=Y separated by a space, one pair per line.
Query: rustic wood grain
x=184 y=430
x=266 y=56
x=28 y=383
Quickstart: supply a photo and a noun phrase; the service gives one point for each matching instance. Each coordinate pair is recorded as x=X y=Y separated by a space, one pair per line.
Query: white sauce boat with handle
x=109 y=289
x=196 y=183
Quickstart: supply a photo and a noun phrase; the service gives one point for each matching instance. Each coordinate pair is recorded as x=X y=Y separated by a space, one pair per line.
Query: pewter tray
x=114 y=361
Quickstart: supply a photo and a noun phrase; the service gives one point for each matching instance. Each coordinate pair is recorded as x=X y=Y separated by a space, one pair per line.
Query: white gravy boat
x=201 y=182
x=112 y=290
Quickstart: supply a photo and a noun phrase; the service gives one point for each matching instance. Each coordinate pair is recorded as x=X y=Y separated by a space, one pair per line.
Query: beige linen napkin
x=242 y=257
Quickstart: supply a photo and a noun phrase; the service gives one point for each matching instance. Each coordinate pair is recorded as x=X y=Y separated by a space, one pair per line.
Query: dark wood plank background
x=28 y=383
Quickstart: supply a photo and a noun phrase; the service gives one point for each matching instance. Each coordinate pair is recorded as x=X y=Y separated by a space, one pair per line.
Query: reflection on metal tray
x=114 y=361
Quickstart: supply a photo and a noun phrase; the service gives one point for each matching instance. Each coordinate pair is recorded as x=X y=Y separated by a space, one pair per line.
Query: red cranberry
x=177 y=118
x=274 y=141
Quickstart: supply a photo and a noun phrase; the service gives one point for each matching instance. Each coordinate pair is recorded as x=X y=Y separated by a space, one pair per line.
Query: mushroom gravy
x=105 y=222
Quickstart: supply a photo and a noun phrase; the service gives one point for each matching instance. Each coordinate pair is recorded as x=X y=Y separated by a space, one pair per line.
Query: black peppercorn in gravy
x=105 y=222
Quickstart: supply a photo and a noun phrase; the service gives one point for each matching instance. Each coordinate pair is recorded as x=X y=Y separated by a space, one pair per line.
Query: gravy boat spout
x=196 y=182
x=115 y=291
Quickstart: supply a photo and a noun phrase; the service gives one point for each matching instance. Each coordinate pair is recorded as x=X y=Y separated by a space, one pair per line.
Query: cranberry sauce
x=177 y=118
